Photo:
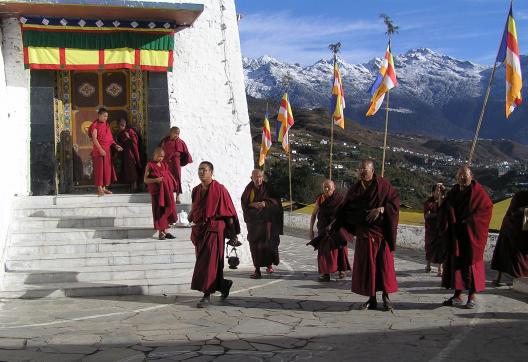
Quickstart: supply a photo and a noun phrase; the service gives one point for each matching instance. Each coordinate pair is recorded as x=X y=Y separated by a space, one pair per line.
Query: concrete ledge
x=521 y=285
x=409 y=236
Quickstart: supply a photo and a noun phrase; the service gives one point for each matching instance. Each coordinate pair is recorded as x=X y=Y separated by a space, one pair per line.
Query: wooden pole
x=385 y=137
x=331 y=132
x=290 y=174
x=482 y=111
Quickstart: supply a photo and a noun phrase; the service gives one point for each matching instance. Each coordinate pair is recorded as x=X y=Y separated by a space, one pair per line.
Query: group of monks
x=456 y=222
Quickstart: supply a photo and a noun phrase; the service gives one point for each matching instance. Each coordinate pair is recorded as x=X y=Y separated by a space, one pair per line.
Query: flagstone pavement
x=287 y=316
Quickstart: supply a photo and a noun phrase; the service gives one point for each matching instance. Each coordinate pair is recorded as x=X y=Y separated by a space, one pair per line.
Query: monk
x=332 y=250
x=465 y=216
x=214 y=219
x=103 y=170
x=127 y=138
x=434 y=243
x=264 y=218
x=511 y=251
x=177 y=156
x=160 y=185
x=371 y=212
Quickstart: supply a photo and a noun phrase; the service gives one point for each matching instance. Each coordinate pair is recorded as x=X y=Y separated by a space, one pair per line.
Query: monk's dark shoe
x=369 y=304
x=227 y=287
x=169 y=236
x=161 y=236
x=204 y=302
x=342 y=275
x=256 y=275
x=452 y=302
x=324 y=278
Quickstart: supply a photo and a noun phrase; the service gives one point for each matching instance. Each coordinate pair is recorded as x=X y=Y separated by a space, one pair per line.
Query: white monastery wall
x=14 y=117
x=199 y=97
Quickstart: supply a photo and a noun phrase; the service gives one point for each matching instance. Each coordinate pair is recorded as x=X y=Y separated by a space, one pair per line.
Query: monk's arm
x=149 y=180
x=97 y=144
x=312 y=219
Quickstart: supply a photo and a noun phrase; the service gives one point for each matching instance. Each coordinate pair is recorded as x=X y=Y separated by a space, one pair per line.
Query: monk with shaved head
x=465 y=216
x=332 y=248
x=264 y=218
x=370 y=212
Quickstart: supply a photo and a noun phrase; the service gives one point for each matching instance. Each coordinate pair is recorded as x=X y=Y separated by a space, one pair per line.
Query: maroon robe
x=162 y=196
x=511 y=252
x=176 y=155
x=465 y=216
x=264 y=225
x=131 y=161
x=373 y=268
x=103 y=169
x=435 y=241
x=209 y=214
x=332 y=250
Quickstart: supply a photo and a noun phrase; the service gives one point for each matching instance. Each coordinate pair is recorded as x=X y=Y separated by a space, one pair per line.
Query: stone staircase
x=84 y=245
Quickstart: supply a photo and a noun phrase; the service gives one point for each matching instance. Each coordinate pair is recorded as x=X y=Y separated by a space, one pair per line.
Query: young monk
x=215 y=219
x=332 y=249
x=434 y=243
x=160 y=185
x=127 y=138
x=103 y=170
x=176 y=155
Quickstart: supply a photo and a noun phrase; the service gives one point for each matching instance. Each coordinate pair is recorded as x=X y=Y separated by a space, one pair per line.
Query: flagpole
x=332 y=134
x=482 y=111
x=385 y=137
x=290 y=175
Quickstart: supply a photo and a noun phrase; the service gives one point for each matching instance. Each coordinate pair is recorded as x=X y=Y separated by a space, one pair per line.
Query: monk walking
x=434 y=242
x=332 y=249
x=214 y=219
x=160 y=185
x=511 y=251
x=264 y=218
x=371 y=212
x=176 y=156
x=103 y=170
x=465 y=216
x=127 y=138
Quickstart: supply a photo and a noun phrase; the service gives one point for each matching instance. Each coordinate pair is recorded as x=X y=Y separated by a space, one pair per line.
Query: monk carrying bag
x=232 y=259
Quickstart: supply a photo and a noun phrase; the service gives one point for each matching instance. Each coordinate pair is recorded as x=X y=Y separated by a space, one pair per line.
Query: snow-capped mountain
x=436 y=95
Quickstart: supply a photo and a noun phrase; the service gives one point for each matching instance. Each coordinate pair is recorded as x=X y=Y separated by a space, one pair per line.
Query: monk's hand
x=119 y=148
x=102 y=152
x=262 y=204
x=375 y=213
x=159 y=180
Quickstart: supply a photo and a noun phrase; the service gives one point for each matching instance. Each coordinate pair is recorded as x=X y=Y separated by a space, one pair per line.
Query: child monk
x=127 y=138
x=160 y=185
x=176 y=155
x=103 y=170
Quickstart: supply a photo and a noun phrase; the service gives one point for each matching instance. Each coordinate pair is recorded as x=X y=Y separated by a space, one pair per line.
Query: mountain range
x=437 y=95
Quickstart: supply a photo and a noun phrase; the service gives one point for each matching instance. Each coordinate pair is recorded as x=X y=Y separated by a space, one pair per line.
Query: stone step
x=109 y=232
x=59 y=290
x=92 y=210
x=520 y=285
x=74 y=261
x=100 y=274
x=87 y=199
x=38 y=248
x=24 y=223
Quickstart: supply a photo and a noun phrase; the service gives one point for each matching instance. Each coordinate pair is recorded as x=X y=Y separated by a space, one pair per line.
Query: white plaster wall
x=14 y=118
x=199 y=102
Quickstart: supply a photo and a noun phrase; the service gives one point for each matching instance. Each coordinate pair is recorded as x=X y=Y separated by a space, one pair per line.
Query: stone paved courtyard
x=287 y=316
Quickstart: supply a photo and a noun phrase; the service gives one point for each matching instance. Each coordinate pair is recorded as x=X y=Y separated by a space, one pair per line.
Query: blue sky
x=300 y=30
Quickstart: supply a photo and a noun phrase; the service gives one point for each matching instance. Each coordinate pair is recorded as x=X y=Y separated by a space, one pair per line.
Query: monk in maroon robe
x=103 y=169
x=371 y=212
x=465 y=216
x=176 y=155
x=127 y=138
x=160 y=185
x=214 y=219
x=332 y=249
x=434 y=242
x=511 y=251
x=264 y=218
